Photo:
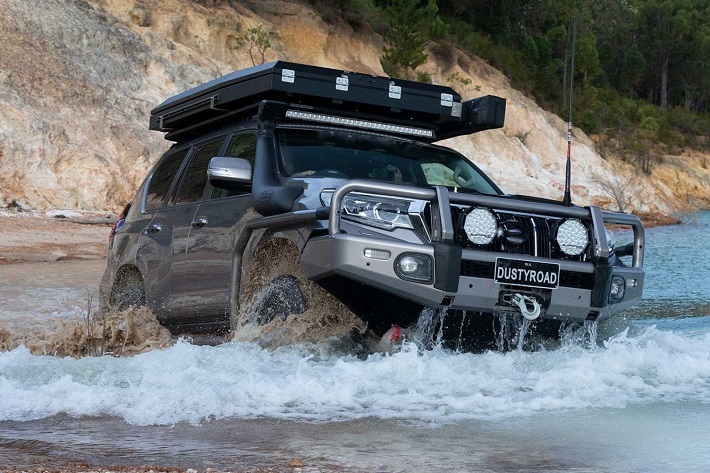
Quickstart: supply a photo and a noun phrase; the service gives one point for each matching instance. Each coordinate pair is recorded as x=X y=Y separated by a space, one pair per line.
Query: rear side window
x=162 y=178
x=193 y=185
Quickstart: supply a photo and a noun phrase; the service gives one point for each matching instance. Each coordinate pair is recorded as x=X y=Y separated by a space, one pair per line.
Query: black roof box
x=347 y=93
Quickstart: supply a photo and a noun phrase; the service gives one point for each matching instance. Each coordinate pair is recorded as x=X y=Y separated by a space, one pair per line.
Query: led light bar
x=354 y=122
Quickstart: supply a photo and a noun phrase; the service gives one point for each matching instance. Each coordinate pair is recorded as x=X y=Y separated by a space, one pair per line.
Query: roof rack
x=399 y=103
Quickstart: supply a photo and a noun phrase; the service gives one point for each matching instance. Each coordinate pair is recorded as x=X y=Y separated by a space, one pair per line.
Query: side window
x=162 y=178
x=241 y=146
x=193 y=184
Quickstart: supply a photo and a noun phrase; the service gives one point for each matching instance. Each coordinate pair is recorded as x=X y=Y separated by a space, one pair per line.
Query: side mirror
x=228 y=173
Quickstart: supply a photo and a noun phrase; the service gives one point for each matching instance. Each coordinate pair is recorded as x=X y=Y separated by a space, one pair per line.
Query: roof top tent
x=318 y=90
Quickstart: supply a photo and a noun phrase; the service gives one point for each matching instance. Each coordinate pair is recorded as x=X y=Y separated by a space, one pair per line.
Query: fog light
x=374 y=253
x=414 y=267
x=618 y=287
x=409 y=265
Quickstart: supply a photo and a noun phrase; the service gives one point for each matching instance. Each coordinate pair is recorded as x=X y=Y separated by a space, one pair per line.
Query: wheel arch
x=127 y=276
x=248 y=243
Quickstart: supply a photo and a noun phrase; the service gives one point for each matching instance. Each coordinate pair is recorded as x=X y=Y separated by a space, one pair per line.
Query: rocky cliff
x=78 y=79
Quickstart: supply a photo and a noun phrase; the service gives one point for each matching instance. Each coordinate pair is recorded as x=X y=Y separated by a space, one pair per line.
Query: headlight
x=480 y=226
x=573 y=237
x=377 y=211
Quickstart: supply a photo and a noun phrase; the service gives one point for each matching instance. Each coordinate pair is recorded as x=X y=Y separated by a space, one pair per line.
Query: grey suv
x=339 y=172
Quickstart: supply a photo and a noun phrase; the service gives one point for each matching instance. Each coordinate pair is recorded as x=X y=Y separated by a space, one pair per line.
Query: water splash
x=576 y=334
x=510 y=330
x=324 y=316
x=118 y=333
x=459 y=342
x=239 y=380
x=429 y=329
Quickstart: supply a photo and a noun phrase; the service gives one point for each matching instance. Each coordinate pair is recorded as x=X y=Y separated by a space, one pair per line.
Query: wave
x=318 y=383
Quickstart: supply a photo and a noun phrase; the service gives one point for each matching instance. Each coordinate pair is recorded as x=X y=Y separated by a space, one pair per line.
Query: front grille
x=538 y=232
x=577 y=280
x=477 y=269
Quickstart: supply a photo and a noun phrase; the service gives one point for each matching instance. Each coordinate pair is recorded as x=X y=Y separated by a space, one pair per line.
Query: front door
x=218 y=222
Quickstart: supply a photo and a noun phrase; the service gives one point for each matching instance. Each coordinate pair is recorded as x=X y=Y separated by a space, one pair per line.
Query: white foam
x=187 y=383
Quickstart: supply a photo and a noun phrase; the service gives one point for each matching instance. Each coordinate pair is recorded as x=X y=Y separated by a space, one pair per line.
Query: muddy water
x=639 y=400
x=51 y=309
x=34 y=294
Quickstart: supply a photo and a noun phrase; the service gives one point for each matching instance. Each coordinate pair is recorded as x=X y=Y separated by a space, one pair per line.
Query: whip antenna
x=567 y=199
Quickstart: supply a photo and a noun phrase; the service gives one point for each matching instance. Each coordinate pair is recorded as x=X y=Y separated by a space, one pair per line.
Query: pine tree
x=411 y=27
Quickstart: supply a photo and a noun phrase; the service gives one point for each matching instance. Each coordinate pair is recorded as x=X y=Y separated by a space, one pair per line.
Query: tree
x=259 y=43
x=587 y=60
x=648 y=130
x=620 y=190
x=693 y=69
x=411 y=27
x=664 y=27
x=633 y=71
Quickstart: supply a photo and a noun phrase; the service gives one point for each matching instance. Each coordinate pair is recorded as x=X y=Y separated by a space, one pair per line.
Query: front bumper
x=466 y=281
x=344 y=255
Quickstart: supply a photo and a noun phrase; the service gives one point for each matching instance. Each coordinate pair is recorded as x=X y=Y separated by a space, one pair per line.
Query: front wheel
x=279 y=305
x=280 y=297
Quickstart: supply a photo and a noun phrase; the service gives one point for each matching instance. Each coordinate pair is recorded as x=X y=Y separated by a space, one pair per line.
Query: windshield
x=360 y=155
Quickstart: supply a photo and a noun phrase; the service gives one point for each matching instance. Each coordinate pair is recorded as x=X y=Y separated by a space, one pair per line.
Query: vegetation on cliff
x=642 y=75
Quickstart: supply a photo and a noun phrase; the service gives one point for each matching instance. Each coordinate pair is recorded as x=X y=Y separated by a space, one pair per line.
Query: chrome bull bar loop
x=441 y=195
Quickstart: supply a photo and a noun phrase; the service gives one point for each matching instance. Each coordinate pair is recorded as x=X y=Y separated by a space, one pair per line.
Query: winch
x=529 y=306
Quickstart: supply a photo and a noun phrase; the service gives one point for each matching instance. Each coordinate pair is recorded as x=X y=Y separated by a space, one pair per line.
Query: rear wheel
x=127 y=290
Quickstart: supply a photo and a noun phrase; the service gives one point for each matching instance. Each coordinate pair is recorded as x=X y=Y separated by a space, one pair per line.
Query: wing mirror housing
x=229 y=173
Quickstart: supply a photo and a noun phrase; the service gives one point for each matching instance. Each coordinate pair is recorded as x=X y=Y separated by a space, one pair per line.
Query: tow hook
x=524 y=302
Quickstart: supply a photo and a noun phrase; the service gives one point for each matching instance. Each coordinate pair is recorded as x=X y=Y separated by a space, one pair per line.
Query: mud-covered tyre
x=280 y=297
x=278 y=304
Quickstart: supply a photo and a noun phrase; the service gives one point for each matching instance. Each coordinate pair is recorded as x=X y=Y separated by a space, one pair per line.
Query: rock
x=140 y=15
x=78 y=81
x=295 y=463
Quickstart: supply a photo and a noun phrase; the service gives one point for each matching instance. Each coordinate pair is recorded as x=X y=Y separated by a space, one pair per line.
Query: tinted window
x=241 y=146
x=193 y=184
x=162 y=178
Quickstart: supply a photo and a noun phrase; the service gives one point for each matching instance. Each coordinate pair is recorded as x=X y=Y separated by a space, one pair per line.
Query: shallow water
x=33 y=293
x=639 y=401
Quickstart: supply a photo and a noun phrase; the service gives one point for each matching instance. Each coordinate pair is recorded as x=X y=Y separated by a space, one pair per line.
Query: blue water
x=677 y=265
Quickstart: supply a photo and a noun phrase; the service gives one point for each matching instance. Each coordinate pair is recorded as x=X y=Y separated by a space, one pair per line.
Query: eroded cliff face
x=79 y=78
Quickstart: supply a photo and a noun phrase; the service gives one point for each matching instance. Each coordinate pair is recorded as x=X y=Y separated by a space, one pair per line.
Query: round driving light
x=480 y=226
x=573 y=237
x=408 y=265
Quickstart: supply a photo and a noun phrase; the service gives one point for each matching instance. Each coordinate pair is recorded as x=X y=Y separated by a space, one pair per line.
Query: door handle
x=153 y=228
x=199 y=222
